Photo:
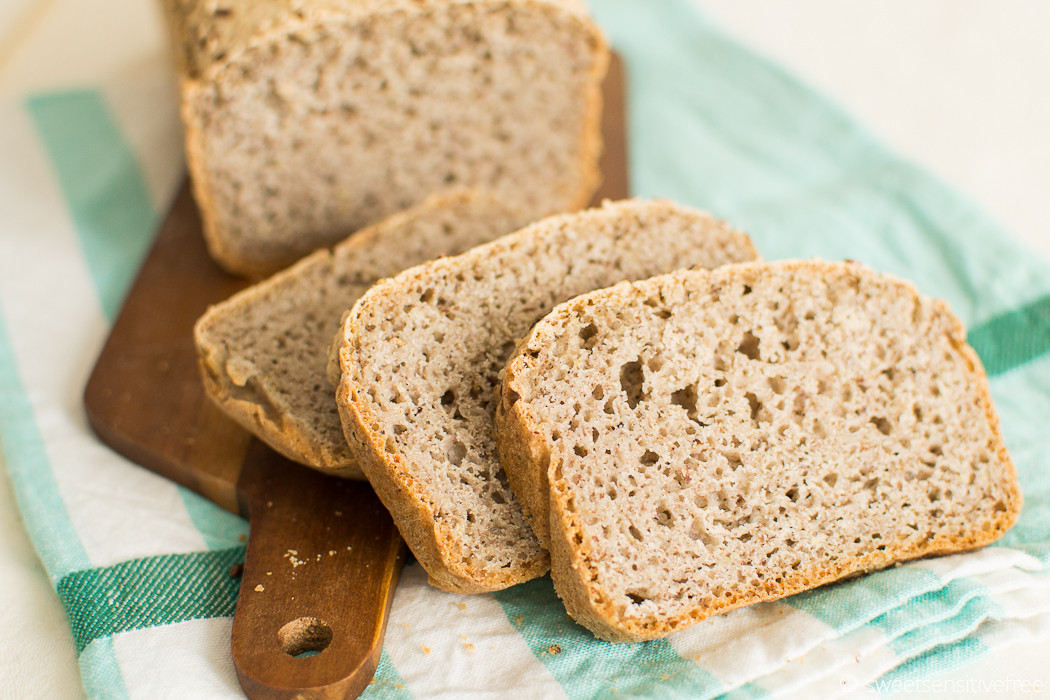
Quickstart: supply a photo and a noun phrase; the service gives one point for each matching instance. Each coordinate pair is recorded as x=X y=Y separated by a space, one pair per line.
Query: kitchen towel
x=141 y=565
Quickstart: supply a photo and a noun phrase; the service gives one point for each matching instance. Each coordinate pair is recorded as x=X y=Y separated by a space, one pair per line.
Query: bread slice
x=262 y=352
x=420 y=360
x=715 y=439
x=307 y=121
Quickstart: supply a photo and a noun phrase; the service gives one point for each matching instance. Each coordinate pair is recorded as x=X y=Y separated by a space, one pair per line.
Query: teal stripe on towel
x=387 y=683
x=850 y=604
x=148 y=592
x=36 y=490
x=220 y=529
x=103 y=184
x=1013 y=338
x=589 y=668
x=916 y=675
x=100 y=671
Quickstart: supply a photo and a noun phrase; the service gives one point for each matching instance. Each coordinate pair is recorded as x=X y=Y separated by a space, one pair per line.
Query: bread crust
x=526 y=441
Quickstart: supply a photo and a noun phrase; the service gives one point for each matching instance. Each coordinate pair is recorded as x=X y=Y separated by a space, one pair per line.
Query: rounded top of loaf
x=209 y=34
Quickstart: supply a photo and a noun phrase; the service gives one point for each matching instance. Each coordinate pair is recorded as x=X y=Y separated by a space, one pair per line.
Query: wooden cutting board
x=323 y=556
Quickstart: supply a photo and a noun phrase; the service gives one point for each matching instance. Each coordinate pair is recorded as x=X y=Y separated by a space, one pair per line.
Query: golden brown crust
x=526 y=445
x=525 y=457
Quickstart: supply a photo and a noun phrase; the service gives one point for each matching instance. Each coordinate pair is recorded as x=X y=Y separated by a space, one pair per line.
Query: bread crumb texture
x=715 y=439
x=421 y=358
x=307 y=121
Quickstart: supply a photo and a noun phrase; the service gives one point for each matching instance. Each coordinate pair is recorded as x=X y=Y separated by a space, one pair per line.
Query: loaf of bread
x=307 y=121
x=262 y=352
x=420 y=359
x=707 y=440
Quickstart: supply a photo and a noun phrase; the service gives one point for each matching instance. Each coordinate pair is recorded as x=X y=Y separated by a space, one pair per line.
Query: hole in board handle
x=304 y=637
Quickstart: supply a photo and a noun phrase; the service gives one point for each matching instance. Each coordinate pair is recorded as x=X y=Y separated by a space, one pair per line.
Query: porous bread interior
x=263 y=350
x=304 y=138
x=719 y=439
x=423 y=352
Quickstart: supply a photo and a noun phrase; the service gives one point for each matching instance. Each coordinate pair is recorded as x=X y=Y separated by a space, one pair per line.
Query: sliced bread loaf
x=715 y=439
x=421 y=355
x=262 y=352
x=307 y=121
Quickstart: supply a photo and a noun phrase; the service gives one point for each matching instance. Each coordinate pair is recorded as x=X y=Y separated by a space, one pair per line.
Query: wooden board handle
x=322 y=564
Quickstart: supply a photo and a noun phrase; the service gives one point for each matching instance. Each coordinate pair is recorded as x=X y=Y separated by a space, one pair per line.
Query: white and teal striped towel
x=141 y=565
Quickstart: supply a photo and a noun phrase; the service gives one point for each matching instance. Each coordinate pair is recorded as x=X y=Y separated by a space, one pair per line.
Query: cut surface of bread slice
x=263 y=351
x=307 y=121
x=420 y=360
x=715 y=439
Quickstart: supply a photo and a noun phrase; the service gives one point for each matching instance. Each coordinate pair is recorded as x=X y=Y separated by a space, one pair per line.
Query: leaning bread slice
x=262 y=352
x=715 y=439
x=306 y=121
x=422 y=352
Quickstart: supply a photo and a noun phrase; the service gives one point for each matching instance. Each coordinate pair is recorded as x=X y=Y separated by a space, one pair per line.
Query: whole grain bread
x=262 y=352
x=421 y=354
x=707 y=440
x=307 y=121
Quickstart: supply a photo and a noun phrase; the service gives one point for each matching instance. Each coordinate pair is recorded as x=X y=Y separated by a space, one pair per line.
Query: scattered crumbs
x=348 y=548
x=373 y=681
x=462 y=636
x=405 y=625
x=269 y=573
x=339 y=512
x=461 y=606
x=318 y=557
x=426 y=649
x=260 y=588
x=242 y=537
x=269 y=504
x=399 y=686
x=331 y=552
x=556 y=649
x=294 y=560
x=518 y=620
x=468 y=646
x=697 y=657
x=664 y=677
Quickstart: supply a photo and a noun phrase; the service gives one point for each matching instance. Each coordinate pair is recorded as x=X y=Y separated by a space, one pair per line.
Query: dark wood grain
x=323 y=556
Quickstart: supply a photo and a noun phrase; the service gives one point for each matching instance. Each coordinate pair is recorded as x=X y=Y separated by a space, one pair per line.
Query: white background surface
x=960 y=86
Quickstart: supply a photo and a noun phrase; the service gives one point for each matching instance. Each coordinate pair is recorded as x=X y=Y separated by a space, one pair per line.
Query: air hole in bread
x=649 y=458
x=755 y=406
x=631 y=379
x=749 y=345
x=456 y=452
x=884 y=426
x=588 y=334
